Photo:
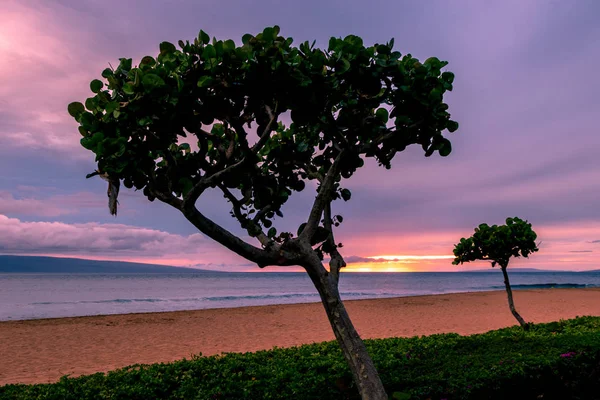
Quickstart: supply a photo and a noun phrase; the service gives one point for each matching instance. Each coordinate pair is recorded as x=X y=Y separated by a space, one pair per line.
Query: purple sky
x=525 y=96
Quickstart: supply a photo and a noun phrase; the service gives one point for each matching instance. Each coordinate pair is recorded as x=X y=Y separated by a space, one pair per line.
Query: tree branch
x=227 y=239
x=167 y=198
x=323 y=197
x=311 y=172
x=266 y=133
x=237 y=211
x=213 y=179
x=337 y=261
x=210 y=180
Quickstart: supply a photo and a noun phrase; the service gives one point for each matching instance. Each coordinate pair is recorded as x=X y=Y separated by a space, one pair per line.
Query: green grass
x=559 y=360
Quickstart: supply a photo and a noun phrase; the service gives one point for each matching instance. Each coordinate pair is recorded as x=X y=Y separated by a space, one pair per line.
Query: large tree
x=497 y=244
x=342 y=104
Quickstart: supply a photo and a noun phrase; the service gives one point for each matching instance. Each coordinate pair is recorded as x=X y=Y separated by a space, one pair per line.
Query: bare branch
x=336 y=131
x=311 y=172
x=323 y=197
x=241 y=132
x=266 y=134
x=210 y=180
x=167 y=198
x=237 y=211
x=337 y=261
x=213 y=179
x=262 y=212
x=221 y=235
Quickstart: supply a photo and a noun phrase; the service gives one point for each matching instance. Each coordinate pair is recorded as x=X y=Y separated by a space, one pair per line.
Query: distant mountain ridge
x=39 y=264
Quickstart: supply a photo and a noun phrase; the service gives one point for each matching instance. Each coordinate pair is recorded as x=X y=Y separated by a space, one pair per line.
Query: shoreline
x=533 y=287
x=42 y=350
x=318 y=301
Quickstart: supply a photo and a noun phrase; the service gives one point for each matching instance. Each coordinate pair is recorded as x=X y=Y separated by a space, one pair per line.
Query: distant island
x=56 y=265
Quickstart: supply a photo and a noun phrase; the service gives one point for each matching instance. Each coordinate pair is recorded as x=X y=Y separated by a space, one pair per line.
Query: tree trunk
x=361 y=365
x=511 y=304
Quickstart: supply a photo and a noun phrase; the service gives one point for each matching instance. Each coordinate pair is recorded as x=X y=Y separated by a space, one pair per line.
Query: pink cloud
x=562 y=247
x=109 y=241
x=50 y=206
x=565 y=247
x=50 y=53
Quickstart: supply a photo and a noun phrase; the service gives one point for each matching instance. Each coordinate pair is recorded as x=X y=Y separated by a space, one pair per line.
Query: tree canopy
x=497 y=243
x=259 y=120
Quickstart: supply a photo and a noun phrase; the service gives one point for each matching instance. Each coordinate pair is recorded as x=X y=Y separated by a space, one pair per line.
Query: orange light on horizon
x=409 y=258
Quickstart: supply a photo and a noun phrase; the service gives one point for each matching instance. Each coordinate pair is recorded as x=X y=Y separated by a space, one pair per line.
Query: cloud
x=106 y=241
x=49 y=206
x=395 y=259
x=581 y=251
x=595 y=241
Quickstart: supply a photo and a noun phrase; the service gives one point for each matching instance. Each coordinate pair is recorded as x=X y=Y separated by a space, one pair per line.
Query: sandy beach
x=43 y=350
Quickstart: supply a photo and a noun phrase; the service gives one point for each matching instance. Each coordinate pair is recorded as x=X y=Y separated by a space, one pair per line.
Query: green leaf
x=91 y=103
x=268 y=34
x=152 y=81
x=205 y=81
x=112 y=106
x=354 y=40
x=452 y=126
x=433 y=62
x=448 y=77
x=147 y=62
x=204 y=38
x=185 y=147
x=229 y=46
x=382 y=114
x=272 y=233
x=446 y=148
x=246 y=38
x=346 y=194
x=166 y=47
x=209 y=52
x=87 y=120
x=107 y=72
x=125 y=64
x=96 y=85
x=128 y=88
x=75 y=109
x=345 y=66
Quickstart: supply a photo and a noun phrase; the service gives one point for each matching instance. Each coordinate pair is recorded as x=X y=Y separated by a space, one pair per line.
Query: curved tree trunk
x=511 y=304
x=363 y=370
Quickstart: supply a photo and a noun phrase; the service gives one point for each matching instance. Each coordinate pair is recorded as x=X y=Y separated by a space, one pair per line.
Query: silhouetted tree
x=345 y=103
x=498 y=244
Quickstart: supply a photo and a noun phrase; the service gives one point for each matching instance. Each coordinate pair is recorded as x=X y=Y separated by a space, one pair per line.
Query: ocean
x=32 y=296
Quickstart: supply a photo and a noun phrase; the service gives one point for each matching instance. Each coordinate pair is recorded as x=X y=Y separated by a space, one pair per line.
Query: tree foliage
x=257 y=121
x=497 y=243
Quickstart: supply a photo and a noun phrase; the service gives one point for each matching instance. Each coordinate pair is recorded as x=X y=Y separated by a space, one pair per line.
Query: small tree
x=344 y=103
x=498 y=244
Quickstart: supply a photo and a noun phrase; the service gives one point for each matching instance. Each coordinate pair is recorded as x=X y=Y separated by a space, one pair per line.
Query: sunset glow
x=404 y=219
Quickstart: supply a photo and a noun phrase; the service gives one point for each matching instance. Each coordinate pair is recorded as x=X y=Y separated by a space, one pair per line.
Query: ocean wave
x=550 y=286
x=218 y=298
